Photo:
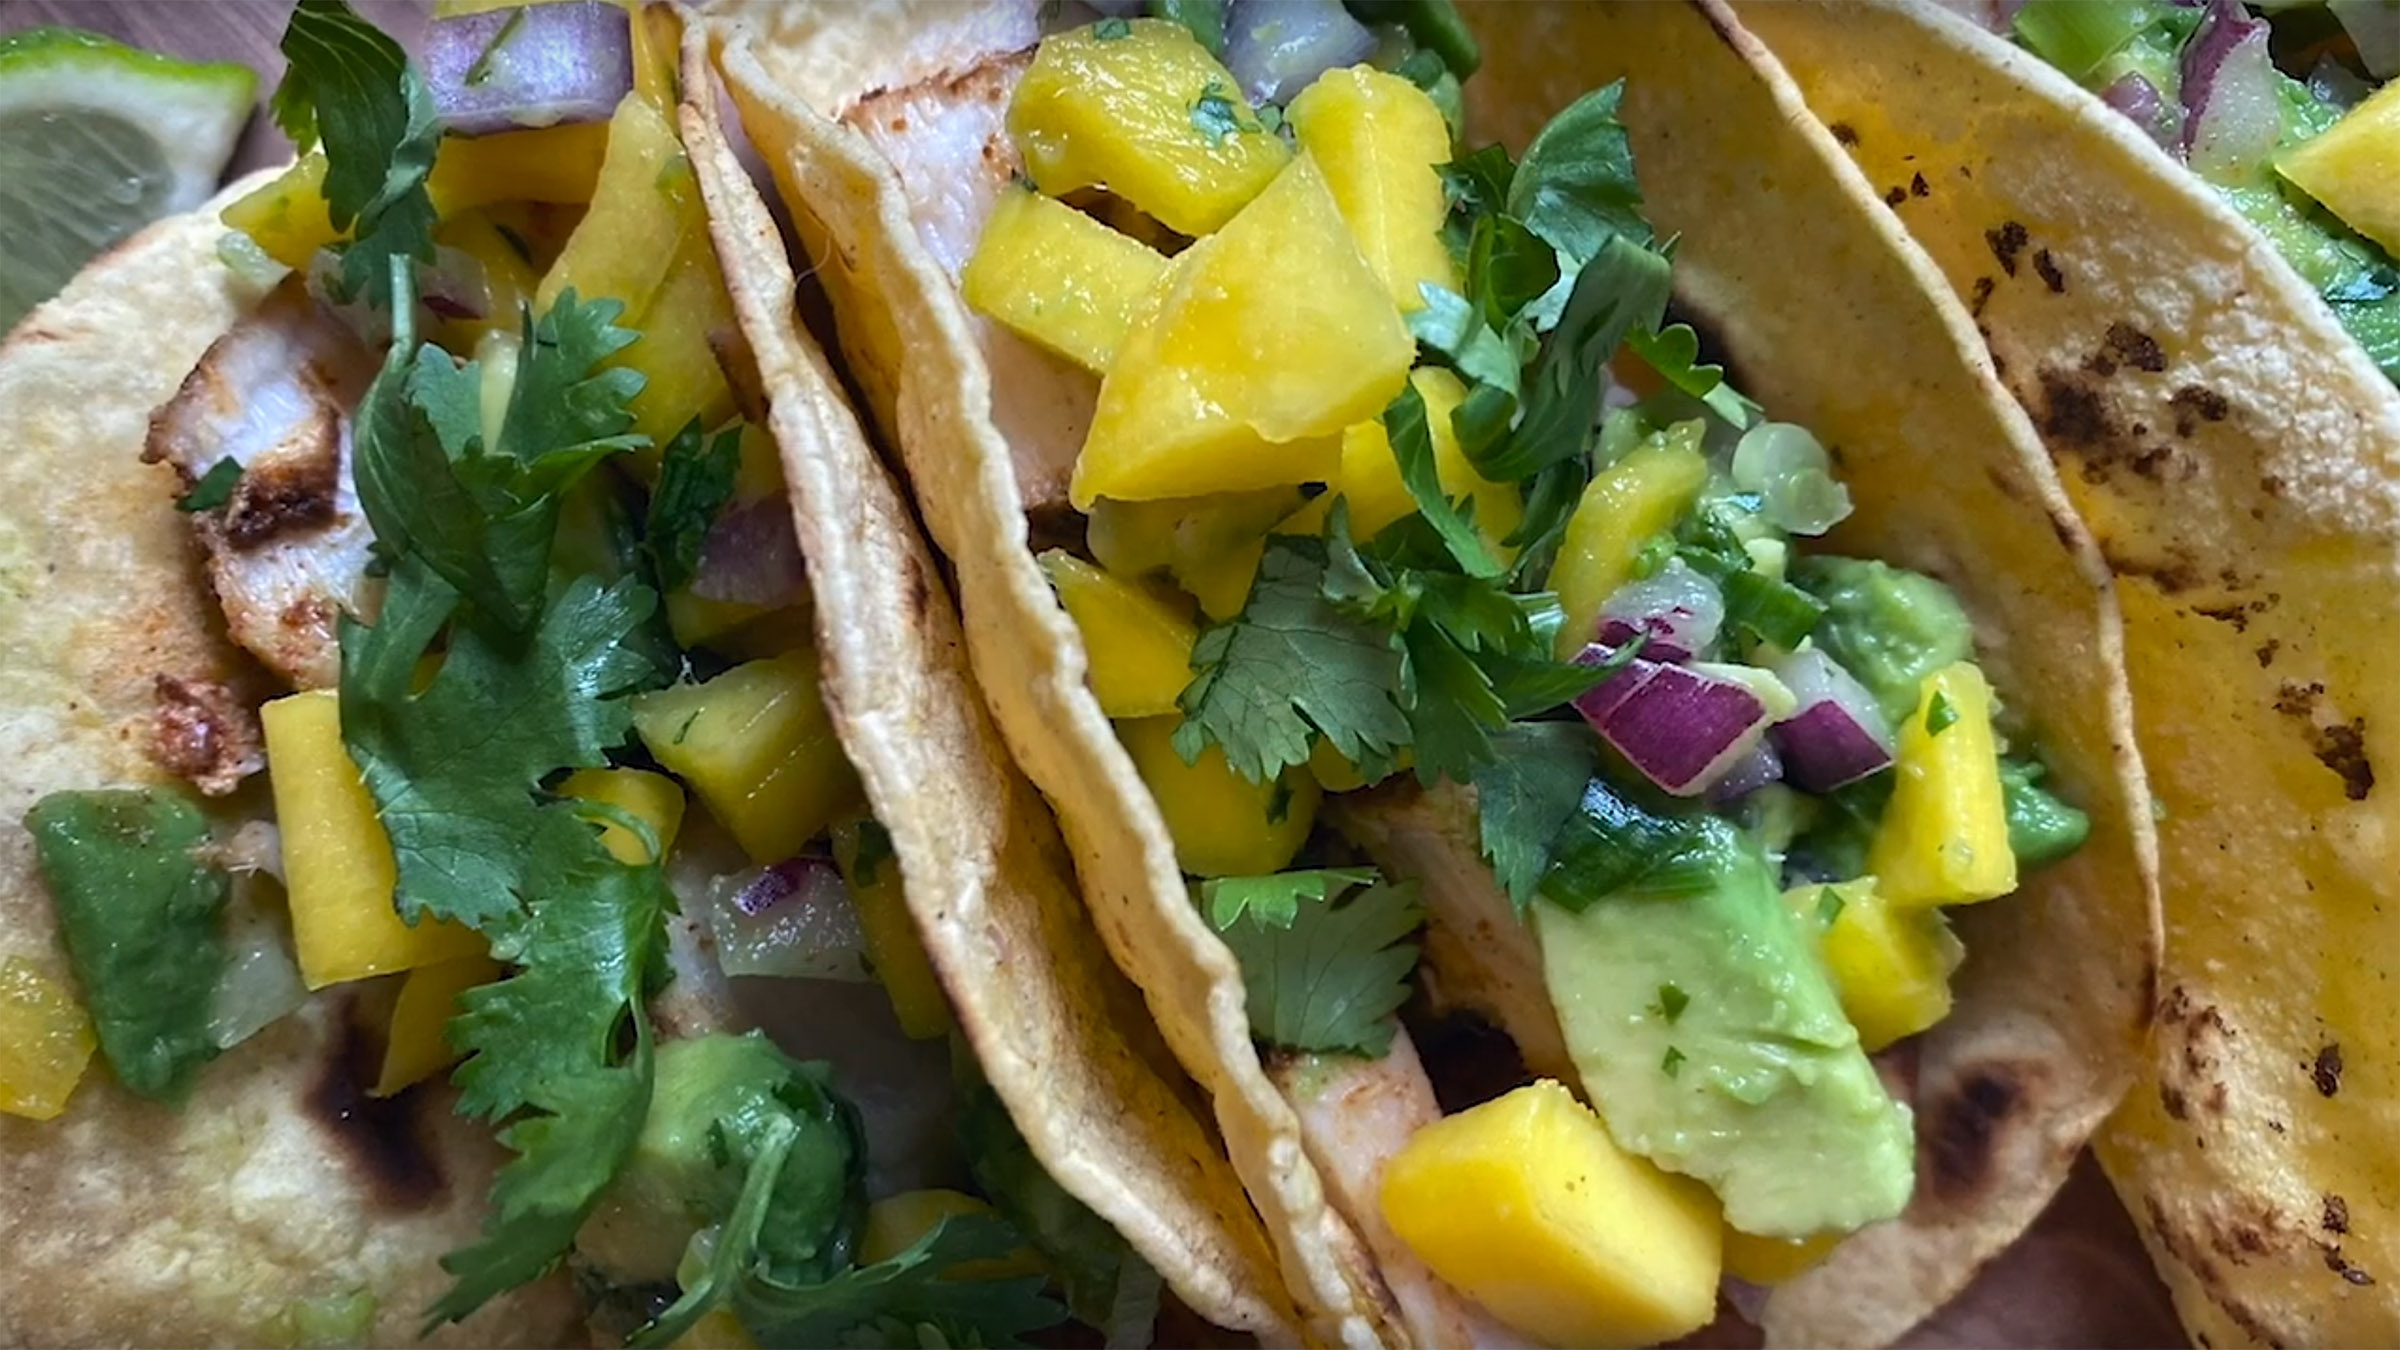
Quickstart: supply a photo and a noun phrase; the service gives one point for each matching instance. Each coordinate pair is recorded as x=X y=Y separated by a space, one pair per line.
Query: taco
x=350 y=739
x=1400 y=615
x=2185 y=283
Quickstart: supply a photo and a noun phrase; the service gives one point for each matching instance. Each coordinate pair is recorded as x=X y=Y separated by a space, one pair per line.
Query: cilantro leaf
x=1766 y=607
x=1672 y=1001
x=1621 y=290
x=1526 y=793
x=350 y=85
x=1614 y=844
x=1215 y=114
x=1452 y=706
x=695 y=480
x=1674 y=353
x=1274 y=899
x=1331 y=980
x=1509 y=267
x=737 y=1241
x=1291 y=662
x=1450 y=326
x=215 y=487
x=1405 y=426
x=1574 y=188
x=886 y=1303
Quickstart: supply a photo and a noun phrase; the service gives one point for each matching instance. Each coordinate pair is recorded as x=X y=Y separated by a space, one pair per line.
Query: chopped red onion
x=1789 y=469
x=1683 y=729
x=2233 y=116
x=751 y=556
x=1676 y=608
x=1836 y=735
x=1748 y=774
x=793 y=920
x=538 y=66
x=2141 y=102
x=1275 y=48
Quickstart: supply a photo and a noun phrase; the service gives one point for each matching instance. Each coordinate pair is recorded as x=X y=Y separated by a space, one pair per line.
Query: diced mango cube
x=1631 y=500
x=2350 y=167
x=1210 y=545
x=720 y=1328
x=1371 y=483
x=339 y=874
x=1147 y=114
x=286 y=215
x=683 y=324
x=1891 y=965
x=545 y=164
x=657 y=52
x=1270 y=337
x=759 y=747
x=1943 y=839
x=509 y=279
x=1772 y=1261
x=419 y=1044
x=1060 y=279
x=651 y=798
x=1139 y=650
x=1525 y=1205
x=45 y=1041
x=643 y=202
x=1223 y=824
x=863 y=852
x=1378 y=138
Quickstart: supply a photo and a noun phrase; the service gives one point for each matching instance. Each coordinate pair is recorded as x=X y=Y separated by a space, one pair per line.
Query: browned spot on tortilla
x=1896 y=196
x=2267 y=650
x=1917 y=187
x=2196 y=403
x=2326 y=1073
x=204 y=733
x=2171 y=1099
x=920 y=593
x=1979 y=295
x=2236 y=615
x=2173 y=575
x=379 y=1137
x=2070 y=410
x=2180 y=1245
x=286 y=491
x=2007 y=242
x=1844 y=133
x=2135 y=348
x=2337 y=1214
x=1960 y=1128
x=2343 y=749
x=2295 y=699
x=740 y=369
x=2242 y=1237
x=2218 y=1096
x=2340 y=1265
x=2046 y=268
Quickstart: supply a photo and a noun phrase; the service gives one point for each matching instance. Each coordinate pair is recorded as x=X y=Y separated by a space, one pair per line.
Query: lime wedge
x=97 y=139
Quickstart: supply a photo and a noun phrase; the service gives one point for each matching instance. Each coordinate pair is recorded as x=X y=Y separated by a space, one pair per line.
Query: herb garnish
x=350 y=86
x=1939 y=715
x=215 y=487
x=1215 y=114
x=1324 y=969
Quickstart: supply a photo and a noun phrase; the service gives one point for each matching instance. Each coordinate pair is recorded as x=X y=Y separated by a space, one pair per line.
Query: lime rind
x=194 y=110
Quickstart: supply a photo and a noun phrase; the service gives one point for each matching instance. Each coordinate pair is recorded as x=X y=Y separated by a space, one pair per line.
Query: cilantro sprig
x=1324 y=968
x=349 y=86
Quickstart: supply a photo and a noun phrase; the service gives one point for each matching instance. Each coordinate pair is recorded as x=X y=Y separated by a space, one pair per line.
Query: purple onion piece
x=2231 y=113
x=751 y=556
x=1835 y=735
x=540 y=66
x=1678 y=610
x=2141 y=102
x=793 y=920
x=1275 y=48
x=1683 y=730
x=776 y=884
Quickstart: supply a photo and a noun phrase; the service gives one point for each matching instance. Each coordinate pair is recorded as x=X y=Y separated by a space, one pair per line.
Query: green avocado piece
x=1886 y=625
x=2041 y=828
x=139 y=911
x=1712 y=1042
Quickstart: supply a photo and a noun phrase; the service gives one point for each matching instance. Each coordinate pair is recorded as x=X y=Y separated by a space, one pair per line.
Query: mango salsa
x=1370 y=479
x=651 y=798
x=547 y=164
x=758 y=746
x=1060 y=279
x=1224 y=825
x=645 y=198
x=418 y=1046
x=1140 y=651
x=2350 y=167
x=1147 y=114
x=1772 y=1261
x=863 y=852
x=1270 y=337
x=1378 y=138
x=1943 y=839
x=339 y=874
x=287 y=216
x=1528 y=1207
x=1891 y=965
x=45 y=1041
x=682 y=325
x=1631 y=500
x=1210 y=545
x=897 y=1222
x=509 y=279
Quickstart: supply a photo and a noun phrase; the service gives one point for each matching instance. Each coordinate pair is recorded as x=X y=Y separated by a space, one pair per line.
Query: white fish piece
x=288 y=552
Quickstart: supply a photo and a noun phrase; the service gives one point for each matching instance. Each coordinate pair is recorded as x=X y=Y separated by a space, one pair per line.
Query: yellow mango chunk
x=1631 y=500
x=1943 y=839
x=1270 y=337
x=1150 y=116
x=759 y=747
x=657 y=46
x=682 y=327
x=1060 y=279
x=1223 y=824
x=1140 y=651
x=2351 y=166
x=339 y=875
x=1378 y=138
x=286 y=215
x=1891 y=965
x=545 y=164
x=897 y=1222
x=509 y=280
x=863 y=852
x=1210 y=545
x=45 y=1041
x=651 y=798
x=1525 y=1205
x=1771 y=1261
x=720 y=1328
x=418 y=1046
x=643 y=201
x=1370 y=479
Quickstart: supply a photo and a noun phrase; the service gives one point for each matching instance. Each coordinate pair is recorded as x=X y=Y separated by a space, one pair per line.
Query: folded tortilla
x=2238 y=457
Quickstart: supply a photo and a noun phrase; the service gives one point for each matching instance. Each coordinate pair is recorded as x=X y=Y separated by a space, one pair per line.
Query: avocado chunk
x=1886 y=625
x=2041 y=828
x=1712 y=1042
x=711 y=1113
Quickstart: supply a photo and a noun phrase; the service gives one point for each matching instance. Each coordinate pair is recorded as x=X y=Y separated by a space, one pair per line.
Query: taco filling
x=1396 y=471
x=2282 y=109
x=485 y=487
